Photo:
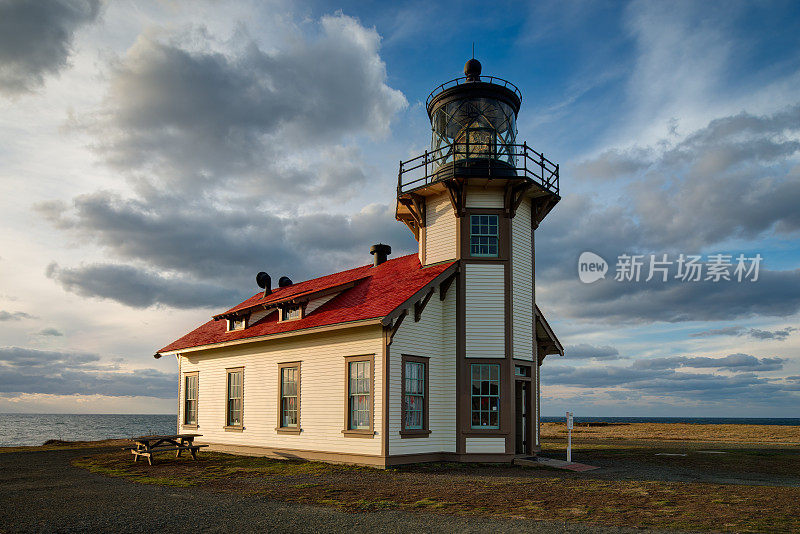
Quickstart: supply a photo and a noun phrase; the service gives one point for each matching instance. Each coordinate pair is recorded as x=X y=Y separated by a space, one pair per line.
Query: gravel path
x=41 y=492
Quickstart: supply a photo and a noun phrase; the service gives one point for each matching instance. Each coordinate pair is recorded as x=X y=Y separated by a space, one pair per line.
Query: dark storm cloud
x=736 y=178
x=732 y=362
x=213 y=143
x=138 y=288
x=36 y=39
x=779 y=335
x=584 y=351
x=199 y=255
x=34 y=371
x=776 y=293
x=273 y=122
x=667 y=382
x=14 y=316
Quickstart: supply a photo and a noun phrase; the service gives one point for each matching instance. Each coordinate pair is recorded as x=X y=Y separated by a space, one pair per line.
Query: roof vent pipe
x=264 y=282
x=284 y=281
x=380 y=251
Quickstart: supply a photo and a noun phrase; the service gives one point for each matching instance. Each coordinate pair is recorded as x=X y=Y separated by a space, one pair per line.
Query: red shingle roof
x=377 y=292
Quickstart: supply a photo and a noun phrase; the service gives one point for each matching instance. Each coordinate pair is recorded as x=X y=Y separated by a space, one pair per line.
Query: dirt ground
x=682 y=478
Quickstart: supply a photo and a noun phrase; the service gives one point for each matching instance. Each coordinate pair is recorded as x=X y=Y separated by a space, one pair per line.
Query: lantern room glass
x=473 y=128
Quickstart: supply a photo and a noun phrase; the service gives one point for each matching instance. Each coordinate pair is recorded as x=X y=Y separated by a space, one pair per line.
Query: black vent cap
x=380 y=251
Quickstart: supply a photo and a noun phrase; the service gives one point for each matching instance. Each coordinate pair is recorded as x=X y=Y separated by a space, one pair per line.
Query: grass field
x=742 y=485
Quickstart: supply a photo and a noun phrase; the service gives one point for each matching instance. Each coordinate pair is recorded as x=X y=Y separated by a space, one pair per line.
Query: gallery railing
x=486 y=79
x=489 y=160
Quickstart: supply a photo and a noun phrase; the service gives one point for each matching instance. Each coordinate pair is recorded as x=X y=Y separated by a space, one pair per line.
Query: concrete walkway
x=552 y=462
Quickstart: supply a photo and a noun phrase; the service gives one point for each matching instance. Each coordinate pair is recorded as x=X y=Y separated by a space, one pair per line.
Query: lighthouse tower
x=478 y=196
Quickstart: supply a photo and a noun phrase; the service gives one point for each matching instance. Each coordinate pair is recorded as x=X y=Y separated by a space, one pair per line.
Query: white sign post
x=569 y=437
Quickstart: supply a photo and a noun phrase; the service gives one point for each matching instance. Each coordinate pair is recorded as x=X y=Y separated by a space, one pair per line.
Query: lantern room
x=473 y=119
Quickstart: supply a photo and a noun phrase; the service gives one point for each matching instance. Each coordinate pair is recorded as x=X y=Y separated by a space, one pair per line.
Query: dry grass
x=476 y=490
x=762 y=435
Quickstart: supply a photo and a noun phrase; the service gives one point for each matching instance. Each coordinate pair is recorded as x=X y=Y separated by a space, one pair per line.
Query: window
x=485 y=395
x=483 y=235
x=237 y=323
x=190 y=400
x=359 y=391
x=290 y=313
x=235 y=398
x=414 y=396
x=289 y=408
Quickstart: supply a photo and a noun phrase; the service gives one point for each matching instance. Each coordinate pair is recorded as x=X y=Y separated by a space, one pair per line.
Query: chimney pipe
x=264 y=282
x=380 y=251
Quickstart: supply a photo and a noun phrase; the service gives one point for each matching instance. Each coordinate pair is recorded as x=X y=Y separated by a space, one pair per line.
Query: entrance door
x=522 y=401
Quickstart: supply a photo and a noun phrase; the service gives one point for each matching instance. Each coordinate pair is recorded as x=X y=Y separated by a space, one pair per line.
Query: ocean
x=35 y=429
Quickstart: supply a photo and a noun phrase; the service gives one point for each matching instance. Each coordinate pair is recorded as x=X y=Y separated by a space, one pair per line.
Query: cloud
x=736 y=178
x=733 y=362
x=138 y=288
x=199 y=255
x=36 y=39
x=584 y=351
x=779 y=335
x=274 y=123
x=222 y=147
x=663 y=381
x=14 y=316
x=25 y=370
x=50 y=332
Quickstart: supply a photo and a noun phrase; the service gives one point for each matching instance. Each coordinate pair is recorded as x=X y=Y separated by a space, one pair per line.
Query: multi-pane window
x=414 y=395
x=234 y=417
x=359 y=378
x=485 y=379
x=483 y=235
x=237 y=323
x=291 y=312
x=289 y=379
x=190 y=399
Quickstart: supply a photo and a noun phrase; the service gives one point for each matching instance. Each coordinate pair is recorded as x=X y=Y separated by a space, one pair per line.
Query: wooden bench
x=147 y=446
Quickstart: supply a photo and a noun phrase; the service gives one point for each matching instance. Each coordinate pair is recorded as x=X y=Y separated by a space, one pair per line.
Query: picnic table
x=148 y=445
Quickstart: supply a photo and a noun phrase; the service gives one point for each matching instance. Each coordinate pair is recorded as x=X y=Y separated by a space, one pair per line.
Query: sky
x=154 y=156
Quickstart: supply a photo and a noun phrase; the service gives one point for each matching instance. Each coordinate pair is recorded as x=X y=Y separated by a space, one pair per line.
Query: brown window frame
x=359 y=432
x=301 y=308
x=228 y=426
x=184 y=424
x=425 y=431
x=503 y=235
x=288 y=429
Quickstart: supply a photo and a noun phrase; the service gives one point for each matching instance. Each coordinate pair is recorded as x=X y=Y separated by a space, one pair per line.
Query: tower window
x=483 y=235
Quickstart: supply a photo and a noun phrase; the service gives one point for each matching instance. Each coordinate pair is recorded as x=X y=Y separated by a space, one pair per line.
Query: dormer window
x=237 y=323
x=483 y=235
x=291 y=313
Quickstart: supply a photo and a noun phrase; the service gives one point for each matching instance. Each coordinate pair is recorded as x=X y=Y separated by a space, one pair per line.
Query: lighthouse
x=430 y=356
x=477 y=196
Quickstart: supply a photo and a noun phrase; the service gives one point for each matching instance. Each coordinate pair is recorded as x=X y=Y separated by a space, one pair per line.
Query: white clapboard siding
x=485 y=197
x=486 y=445
x=260 y=314
x=522 y=282
x=440 y=230
x=485 y=310
x=313 y=304
x=427 y=338
x=322 y=390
